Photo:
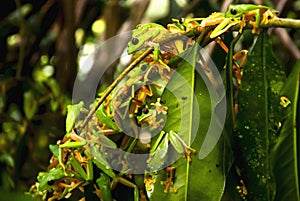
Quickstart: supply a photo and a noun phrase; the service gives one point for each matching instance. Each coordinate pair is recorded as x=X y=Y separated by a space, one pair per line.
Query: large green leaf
x=190 y=110
x=259 y=119
x=285 y=152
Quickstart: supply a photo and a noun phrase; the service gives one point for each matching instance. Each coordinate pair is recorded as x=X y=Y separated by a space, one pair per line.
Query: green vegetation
x=203 y=110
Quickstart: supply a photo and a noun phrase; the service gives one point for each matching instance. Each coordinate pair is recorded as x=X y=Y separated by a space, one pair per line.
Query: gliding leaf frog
x=240 y=10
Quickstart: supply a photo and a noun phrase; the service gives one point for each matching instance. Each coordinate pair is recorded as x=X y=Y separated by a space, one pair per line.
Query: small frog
x=47 y=179
x=240 y=13
x=246 y=10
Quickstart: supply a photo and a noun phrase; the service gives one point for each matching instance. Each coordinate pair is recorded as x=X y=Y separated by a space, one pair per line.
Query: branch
x=275 y=23
x=283 y=22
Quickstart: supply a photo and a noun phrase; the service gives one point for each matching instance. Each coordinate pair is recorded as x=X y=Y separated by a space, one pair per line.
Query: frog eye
x=233 y=11
x=144 y=67
x=135 y=41
x=145 y=110
x=50 y=182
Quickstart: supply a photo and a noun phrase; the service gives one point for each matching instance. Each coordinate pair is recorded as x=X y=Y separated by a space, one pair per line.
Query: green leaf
x=285 y=152
x=99 y=159
x=54 y=149
x=73 y=113
x=30 y=104
x=190 y=108
x=104 y=141
x=108 y=121
x=259 y=119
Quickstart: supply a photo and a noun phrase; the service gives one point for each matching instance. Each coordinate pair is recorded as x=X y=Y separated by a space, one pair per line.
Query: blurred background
x=44 y=43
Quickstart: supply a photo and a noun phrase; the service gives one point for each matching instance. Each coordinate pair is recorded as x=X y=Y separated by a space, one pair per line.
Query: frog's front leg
x=156 y=54
x=266 y=16
x=253 y=17
x=257 y=21
x=257 y=17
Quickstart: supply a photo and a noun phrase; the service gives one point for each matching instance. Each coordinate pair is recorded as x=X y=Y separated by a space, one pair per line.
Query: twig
x=283 y=22
x=272 y=23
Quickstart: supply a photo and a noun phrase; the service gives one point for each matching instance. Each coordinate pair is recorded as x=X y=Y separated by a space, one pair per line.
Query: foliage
x=169 y=126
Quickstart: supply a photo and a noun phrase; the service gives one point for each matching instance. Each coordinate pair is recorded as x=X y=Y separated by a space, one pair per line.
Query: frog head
x=142 y=35
x=235 y=11
x=47 y=179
